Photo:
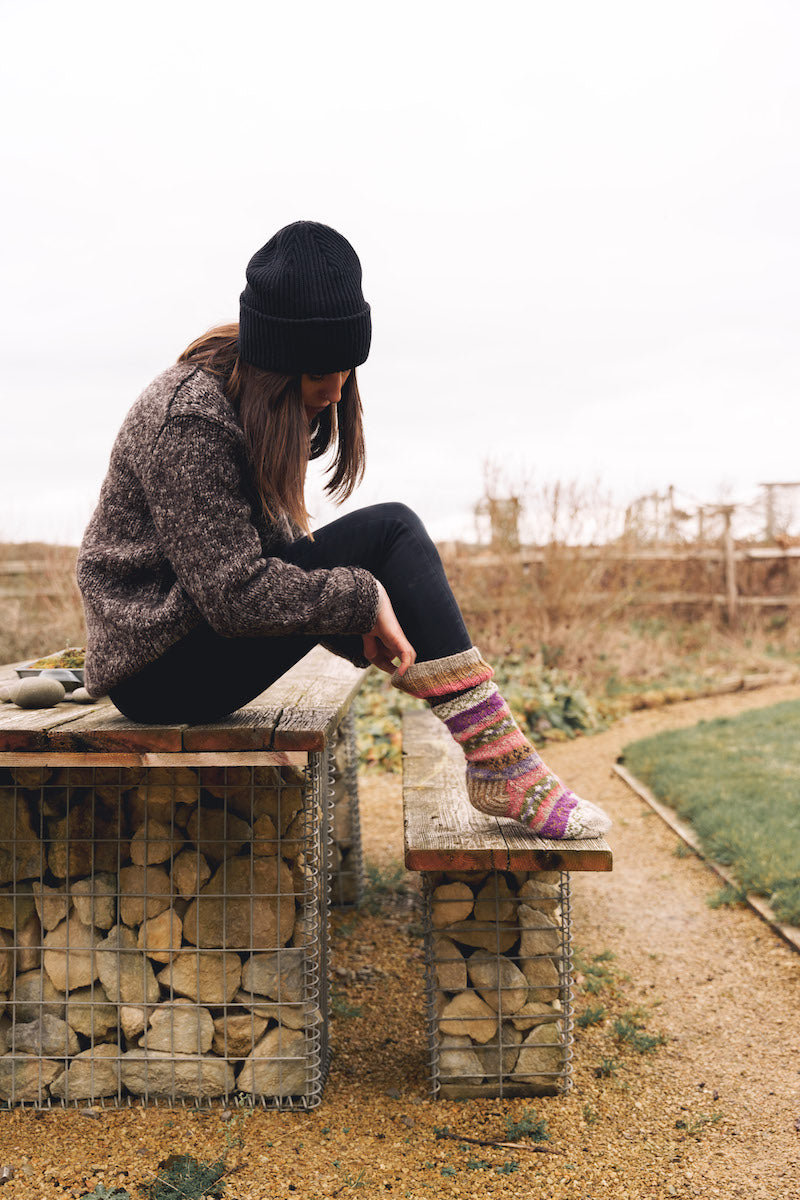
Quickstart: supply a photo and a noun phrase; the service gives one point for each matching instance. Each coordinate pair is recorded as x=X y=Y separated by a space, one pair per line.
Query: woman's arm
x=197 y=495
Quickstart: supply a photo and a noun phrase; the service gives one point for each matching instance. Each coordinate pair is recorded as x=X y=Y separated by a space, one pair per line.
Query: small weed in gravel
x=606 y=1068
x=528 y=1126
x=597 y=971
x=629 y=1029
x=682 y=850
x=592 y=1015
x=101 y=1192
x=342 y=1008
x=590 y=1115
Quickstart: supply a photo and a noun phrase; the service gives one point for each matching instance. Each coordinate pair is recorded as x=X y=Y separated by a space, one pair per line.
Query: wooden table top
x=299 y=712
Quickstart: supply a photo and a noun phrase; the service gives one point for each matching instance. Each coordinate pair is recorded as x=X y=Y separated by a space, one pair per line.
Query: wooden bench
x=164 y=894
x=497 y=930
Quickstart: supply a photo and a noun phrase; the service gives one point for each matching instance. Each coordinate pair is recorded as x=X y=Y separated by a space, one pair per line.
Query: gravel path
x=714 y=1112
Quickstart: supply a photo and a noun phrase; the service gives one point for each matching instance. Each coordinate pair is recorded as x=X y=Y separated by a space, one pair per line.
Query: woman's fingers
x=386 y=640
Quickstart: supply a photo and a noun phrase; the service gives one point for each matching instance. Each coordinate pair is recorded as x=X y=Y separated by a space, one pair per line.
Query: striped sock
x=505 y=775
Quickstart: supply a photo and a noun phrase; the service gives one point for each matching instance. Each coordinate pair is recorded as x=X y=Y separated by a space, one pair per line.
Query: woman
x=201 y=580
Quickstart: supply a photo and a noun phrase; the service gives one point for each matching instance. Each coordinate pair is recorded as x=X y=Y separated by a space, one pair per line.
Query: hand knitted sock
x=505 y=775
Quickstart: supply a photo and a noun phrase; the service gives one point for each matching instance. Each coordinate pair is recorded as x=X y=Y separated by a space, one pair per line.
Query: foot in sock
x=505 y=775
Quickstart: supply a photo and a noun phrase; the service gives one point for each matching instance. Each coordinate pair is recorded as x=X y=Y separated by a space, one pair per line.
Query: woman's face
x=319 y=391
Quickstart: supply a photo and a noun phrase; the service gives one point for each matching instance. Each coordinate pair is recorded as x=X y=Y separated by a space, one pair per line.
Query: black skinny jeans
x=206 y=676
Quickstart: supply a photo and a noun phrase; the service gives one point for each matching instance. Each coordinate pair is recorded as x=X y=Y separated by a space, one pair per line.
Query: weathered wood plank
x=249 y=728
x=444 y=832
x=320 y=680
x=103 y=727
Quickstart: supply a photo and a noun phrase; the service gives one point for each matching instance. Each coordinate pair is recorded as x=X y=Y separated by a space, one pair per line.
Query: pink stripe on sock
x=510 y=742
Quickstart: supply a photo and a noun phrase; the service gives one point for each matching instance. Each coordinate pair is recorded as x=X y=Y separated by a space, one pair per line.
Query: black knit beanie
x=303 y=309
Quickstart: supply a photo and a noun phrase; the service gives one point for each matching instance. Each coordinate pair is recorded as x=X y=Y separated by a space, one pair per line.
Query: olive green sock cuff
x=442 y=676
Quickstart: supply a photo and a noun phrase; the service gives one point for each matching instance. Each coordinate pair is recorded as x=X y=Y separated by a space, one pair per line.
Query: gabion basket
x=163 y=934
x=498 y=971
x=347 y=863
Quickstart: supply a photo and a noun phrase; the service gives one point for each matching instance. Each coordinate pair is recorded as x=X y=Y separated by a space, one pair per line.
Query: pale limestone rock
x=306 y=928
x=127 y=977
x=236 y=1035
x=89 y=1012
x=295 y=836
x=279 y=1065
x=91 y=1074
x=180 y=1027
x=264 y=794
x=85 y=840
x=159 y=1073
x=34 y=995
x=69 y=954
x=534 y=889
x=542 y=975
x=499 y=1056
x=48 y=1036
x=498 y=981
x=26 y=1077
x=155 y=842
x=133 y=1019
x=549 y=876
x=52 y=904
x=536 y=1013
x=468 y=1015
x=16 y=904
x=144 y=892
x=21 y=852
x=190 y=872
x=217 y=834
x=265 y=836
x=259 y=908
x=277 y=974
x=495 y=901
x=210 y=978
x=95 y=900
x=161 y=791
x=451 y=903
x=539 y=933
x=6 y=960
x=540 y=1053
x=29 y=945
x=496 y=938
x=161 y=936
x=294 y=1016
x=459 y=1062
x=5 y=1033
x=449 y=964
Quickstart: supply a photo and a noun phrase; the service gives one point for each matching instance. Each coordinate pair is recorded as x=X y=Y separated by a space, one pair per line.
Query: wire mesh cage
x=498 y=972
x=347 y=863
x=163 y=934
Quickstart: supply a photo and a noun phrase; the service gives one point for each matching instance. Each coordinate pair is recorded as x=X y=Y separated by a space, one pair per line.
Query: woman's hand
x=386 y=640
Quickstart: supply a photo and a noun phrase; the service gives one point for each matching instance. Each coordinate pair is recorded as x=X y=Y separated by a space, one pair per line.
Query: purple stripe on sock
x=513 y=771
x=478 y=712
x=557 y=819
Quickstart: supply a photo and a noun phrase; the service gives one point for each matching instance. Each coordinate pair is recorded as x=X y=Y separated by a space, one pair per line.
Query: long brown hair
x=279 y=439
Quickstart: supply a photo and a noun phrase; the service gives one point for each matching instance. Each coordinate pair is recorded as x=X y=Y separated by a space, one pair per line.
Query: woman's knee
x=400 y=516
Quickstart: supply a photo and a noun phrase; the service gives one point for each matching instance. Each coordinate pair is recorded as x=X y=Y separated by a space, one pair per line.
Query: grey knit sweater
x=179 y=535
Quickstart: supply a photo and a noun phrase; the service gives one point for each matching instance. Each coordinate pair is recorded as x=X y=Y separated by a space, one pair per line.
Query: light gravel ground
x=712 y=1113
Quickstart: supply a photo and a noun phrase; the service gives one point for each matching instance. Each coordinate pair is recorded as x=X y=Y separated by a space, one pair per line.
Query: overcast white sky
x=578 y=224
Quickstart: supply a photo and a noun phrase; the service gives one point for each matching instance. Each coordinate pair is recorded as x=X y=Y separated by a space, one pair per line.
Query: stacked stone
x=347 y=869
x=159 y=933
x=498 y=976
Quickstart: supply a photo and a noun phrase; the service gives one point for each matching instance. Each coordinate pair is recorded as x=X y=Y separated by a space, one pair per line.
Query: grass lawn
x=738 y=782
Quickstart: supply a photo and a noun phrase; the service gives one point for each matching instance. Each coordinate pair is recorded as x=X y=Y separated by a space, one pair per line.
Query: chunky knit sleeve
x=197 y=496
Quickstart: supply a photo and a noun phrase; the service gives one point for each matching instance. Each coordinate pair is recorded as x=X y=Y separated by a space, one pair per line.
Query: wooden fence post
x=730 y=563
